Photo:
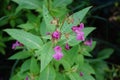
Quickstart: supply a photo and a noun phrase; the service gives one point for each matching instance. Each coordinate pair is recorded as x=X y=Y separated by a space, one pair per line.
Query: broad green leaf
x=25 y=66
x=48 y=19
x=4 y=20
x=59 y=3
x=75 y=76
x=87 y=77
x=60 y=76
x=77 y=17
x=65 y=64
x=86 y=69
x=86 y=53
x=15 y=77
x=46 y=55
x=29 y=4
x=79 y=60
x=26 y=26
x=105 y=53
x=28 y=39
x=100 y=67
x=21 y=55
x=34 y=66
x=48 y=73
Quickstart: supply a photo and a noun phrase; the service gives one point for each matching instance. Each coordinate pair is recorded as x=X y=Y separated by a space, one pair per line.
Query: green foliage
x=21 y=55
x=36 y=55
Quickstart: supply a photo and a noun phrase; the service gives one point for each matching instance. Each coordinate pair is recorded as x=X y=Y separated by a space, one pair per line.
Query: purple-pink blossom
x=79 y=32
x=26 y=78
x=81 y=73
x=88 y=42
x=56 y=35
x=67 y=47
x=78 y=28
x=80 y=36
x=17 y=43
x=58 y=53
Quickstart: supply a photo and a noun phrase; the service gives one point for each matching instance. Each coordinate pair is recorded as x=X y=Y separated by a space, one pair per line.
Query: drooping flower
x=17 y=43
x=81 y=73
x=88 y=42
x=67 y=47
x=58 y=53
x=79 y=32
x=56 y=35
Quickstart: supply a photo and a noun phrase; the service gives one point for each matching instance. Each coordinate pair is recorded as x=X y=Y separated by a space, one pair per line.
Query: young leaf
x=29 y=4
x=59 y=3
x=46 y=55
x=75 y=76
x=21 y=55
x=88 y=30
x=34 y=66
x=28 y=39
x=106 y=53
x=48 y=19
x=25 y=66
x=48 y=73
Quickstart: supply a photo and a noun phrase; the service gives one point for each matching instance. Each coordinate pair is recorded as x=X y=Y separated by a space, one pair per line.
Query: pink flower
x=76 y=29
x=88 y=42
x=81 y=74
x=26 y=78
x=14 y=45
x=79 y=32
x=80 y=36
x=57 y=49
x=56 y=35
x=58 y=53
x=67 y=47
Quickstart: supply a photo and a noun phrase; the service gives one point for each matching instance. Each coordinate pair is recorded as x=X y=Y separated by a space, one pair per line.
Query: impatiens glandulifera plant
x=52 y=49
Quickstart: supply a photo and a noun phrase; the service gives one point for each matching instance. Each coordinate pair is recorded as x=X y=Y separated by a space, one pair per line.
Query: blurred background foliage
x=104 y=15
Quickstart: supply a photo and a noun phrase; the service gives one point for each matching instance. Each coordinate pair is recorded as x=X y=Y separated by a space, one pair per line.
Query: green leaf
x=26 y=26
x=34 y=66
x=21 y=55
x=105 y=53
x=46 y=55
x=86 y=69
x=74 y=76
x=48 y=73
x=28 y=39
x=100 y=68
x=48 y=18
x=65 y=64
x=60 y=76
x=59 y=3
x=88 y=30
x=77 y=17
x=29 y=4
x=25 y=66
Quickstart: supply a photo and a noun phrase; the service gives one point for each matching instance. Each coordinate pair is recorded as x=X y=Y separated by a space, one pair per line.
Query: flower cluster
x=79 y=32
